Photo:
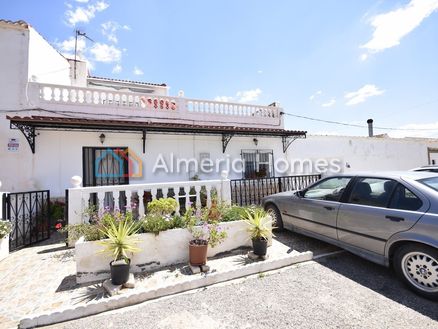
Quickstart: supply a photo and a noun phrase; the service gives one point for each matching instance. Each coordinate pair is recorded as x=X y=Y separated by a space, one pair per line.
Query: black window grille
x=258 y=164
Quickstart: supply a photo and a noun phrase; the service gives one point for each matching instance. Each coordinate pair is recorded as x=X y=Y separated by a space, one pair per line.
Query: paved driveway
x=341 y=291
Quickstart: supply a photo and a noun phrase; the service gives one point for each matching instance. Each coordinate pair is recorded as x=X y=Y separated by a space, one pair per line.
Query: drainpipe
x=370 y=127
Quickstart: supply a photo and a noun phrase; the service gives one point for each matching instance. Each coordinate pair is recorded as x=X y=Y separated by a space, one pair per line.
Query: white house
x=57 y=121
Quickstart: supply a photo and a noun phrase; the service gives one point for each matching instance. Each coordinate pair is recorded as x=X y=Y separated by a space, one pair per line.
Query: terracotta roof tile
x=16 y=23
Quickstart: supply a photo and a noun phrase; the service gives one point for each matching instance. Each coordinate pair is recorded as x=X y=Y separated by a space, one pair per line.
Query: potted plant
x=5 y=229
x=259 y=228
x=205 y=233
x=120 y=241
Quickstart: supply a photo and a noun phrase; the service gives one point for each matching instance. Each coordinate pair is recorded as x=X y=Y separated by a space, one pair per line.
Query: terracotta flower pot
x=198 y=252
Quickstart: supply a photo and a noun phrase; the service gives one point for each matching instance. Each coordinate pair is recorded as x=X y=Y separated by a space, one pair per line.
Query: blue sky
x=334 y=60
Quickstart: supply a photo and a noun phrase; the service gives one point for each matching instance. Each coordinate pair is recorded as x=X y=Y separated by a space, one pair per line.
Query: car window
x=404 y=199
x=329 y=189
x=374 y=192
x=431 y=182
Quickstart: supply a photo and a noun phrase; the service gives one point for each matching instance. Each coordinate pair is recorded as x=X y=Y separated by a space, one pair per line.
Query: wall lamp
x=256 y=141
x=102 y=138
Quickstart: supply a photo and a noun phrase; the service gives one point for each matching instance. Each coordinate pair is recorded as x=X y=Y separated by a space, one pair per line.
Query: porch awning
x=28 y=126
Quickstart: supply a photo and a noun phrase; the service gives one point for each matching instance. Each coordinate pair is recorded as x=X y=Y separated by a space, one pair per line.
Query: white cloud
x=84 y=14
x=224 y=99
x=105 y=53
x=363 y=57
x=110 y=28
x=425 y=130
x=391 y=27
x=259 y=72
x=359 y=96
x=316 y=94
x=244 y=96
x=82 y=1
x=248 y=95
x=117 y=68
x=68 y=46
x=330 y=103
x=137 y=71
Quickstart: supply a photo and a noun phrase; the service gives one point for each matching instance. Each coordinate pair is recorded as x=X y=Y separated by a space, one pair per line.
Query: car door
x=316 y=208
x=376 y=209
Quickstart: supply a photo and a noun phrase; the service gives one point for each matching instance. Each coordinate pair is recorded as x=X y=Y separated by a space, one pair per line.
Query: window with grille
x=258 y=163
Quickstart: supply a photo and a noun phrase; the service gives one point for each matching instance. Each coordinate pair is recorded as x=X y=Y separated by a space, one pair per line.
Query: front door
x=104 y=166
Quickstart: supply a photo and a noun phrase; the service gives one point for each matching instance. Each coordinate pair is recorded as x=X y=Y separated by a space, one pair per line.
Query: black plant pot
x=260 y=246
x=120 y=273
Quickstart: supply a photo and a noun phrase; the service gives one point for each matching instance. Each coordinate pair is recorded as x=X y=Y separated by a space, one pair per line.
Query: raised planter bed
x=167 y=248
x=4 y=247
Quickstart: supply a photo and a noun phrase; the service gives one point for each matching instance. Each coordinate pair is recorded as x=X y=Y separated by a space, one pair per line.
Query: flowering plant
x=204 y=230
x=5 y=228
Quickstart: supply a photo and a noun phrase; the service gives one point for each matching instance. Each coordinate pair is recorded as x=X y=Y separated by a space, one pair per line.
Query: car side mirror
x=300 y=193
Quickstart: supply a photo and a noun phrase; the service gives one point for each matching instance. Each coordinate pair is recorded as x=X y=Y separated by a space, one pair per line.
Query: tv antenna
x=79 y=34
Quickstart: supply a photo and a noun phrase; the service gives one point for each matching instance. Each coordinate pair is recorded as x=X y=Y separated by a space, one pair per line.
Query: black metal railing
x=245 y=192
x=29 y=213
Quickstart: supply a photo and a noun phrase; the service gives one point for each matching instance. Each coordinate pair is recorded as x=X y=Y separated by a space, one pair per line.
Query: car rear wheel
x=417 y=265
x=277 y=221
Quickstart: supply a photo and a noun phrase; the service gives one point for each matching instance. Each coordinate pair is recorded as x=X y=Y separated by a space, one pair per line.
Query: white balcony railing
x=79 y=198
x=138 y=106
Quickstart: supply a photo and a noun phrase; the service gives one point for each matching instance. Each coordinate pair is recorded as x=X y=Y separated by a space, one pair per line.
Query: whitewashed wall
x=46 y=64
x=364 y=153
x=58 y=155
x=14 y=166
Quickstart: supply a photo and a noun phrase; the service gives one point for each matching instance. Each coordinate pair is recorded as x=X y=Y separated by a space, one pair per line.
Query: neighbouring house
x=57 y=121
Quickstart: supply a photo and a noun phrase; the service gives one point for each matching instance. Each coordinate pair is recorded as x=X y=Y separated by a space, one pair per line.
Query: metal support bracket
x=225 y=140
x=287 y=140
x=144 y=141
x=28 y=132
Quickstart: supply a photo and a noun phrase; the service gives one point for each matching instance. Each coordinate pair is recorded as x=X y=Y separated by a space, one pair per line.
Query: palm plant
x=120 y=240
x=259 y=223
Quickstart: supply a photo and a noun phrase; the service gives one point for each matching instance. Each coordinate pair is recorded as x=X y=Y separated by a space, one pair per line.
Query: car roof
x=414 y=175
x=425 y=167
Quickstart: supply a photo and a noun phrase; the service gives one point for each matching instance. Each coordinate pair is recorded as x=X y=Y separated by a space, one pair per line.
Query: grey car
x=390 y=218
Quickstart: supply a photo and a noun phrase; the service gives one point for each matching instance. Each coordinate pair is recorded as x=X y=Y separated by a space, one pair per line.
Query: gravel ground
x=341 y=291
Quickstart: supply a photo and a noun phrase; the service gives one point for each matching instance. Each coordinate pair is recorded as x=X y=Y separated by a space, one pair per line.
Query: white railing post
x=75 y=206
x=225 y=188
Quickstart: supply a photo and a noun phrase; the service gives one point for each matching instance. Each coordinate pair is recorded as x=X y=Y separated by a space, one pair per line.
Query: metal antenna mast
x=79 y=34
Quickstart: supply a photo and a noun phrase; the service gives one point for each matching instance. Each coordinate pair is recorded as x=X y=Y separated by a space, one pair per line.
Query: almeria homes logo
x=118 y=163
x=122 y=163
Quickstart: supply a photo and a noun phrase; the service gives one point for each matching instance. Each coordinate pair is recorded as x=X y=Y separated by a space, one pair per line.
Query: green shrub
x=164 y=206
x=90 y=232
x=57 y=211
x=153 y=223
x=114 y=217
x=5 y=228
x=232 y=213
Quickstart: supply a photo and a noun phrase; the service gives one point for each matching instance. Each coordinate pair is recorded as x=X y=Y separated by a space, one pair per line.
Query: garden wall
x=167 y=248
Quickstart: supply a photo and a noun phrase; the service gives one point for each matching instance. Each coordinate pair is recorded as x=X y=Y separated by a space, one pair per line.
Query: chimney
x=370 y=127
